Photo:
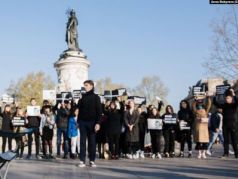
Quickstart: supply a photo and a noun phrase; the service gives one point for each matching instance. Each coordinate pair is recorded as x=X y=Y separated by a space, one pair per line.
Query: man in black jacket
x=229 y=120
x=90 y=112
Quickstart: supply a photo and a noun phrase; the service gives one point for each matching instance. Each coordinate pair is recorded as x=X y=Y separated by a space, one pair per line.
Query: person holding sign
x=156 y=133
x=7 y=127
x=20 y=140
x=229 y=120
x=201 y=133
x=169 y=130
x=131 y=118
x=47 y=131
x=186 y=119
x=34 y=118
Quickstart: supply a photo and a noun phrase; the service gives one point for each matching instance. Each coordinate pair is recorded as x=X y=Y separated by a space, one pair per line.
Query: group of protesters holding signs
x=115 y=125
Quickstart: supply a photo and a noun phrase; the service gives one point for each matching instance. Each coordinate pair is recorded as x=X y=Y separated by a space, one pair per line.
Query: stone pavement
x=212 y=167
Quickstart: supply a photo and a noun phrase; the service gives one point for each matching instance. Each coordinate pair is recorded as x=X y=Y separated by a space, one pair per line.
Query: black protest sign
x=169 y=119
x=77 y=94
x=199 y=90
x=18 y=122
x=221 y=89
x=63 y=96
x=220 y=93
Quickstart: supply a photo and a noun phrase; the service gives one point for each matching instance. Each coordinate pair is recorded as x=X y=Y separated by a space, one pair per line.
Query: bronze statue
x=71 y=31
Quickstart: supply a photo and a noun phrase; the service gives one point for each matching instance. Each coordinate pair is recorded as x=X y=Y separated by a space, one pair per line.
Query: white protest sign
x=155 y=124
x=33 y=110
x=183 y=125
x=49 y=95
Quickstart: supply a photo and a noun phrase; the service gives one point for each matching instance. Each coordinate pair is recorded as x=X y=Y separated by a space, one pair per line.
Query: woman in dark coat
x=156 y=135
x=7 y=127
x=113 y=130
x=169 y=130
x=186 y=119
x=131 y=118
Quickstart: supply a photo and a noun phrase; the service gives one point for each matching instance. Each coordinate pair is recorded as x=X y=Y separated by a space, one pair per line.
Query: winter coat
x=201 y=133
x=90 y=107
x=72 y=127
x=62 y=118
x=7 y=122
x=113 y=122
x=229 y=112
x=132 y=119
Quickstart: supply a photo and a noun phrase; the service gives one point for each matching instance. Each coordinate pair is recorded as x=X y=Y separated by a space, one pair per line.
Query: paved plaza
x=213 y=167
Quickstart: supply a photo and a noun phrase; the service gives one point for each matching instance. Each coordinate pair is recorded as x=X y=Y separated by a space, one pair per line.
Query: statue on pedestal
x=71 y=31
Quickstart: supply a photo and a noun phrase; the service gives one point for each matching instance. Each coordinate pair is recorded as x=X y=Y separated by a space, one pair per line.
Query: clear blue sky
x=123 y=39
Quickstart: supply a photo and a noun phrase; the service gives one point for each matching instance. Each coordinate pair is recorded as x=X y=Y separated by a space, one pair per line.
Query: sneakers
x=190 y=154
x=129 y=156
x=181 y=154
x=38 y=157
x=81 y=164
x=135 y=156
x=142 y=155
x=153 y=156
x=204 y=155
x=159 y=156
x=231 y=152
x=167 y=155
x=209 y=152
x=199 y=156
x=92 y=164
x=225 y=156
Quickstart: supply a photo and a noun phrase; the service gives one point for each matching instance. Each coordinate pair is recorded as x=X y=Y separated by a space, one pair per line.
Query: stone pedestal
x=72 y=70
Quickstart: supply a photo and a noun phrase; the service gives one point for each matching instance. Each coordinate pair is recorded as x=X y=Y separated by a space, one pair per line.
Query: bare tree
x=223 y=60
x=107 y=84
x=150 y=87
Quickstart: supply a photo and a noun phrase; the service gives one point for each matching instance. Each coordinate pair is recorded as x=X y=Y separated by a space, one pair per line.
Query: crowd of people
x=119 y=128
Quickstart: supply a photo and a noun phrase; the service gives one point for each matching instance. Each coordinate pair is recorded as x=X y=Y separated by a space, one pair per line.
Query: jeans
x=87 y=130
x=63 y=132
x=37 y=141
x=213 y=138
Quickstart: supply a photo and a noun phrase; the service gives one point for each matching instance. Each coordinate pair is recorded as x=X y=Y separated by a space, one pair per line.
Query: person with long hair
x=131 y=119
x=113 y=130
x=169 y=130
x=186 y=119
x=7 y=127
x=201 y=133
x=20 y=140
x=156 y=136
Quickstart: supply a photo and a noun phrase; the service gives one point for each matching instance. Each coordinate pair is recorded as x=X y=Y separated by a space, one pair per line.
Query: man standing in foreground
x=90 y=112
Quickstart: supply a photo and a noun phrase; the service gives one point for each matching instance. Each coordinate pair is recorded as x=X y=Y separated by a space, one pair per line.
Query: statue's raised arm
x=71 y=32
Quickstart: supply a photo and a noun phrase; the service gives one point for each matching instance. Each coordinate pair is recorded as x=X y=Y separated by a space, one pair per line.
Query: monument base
x=72 y=69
